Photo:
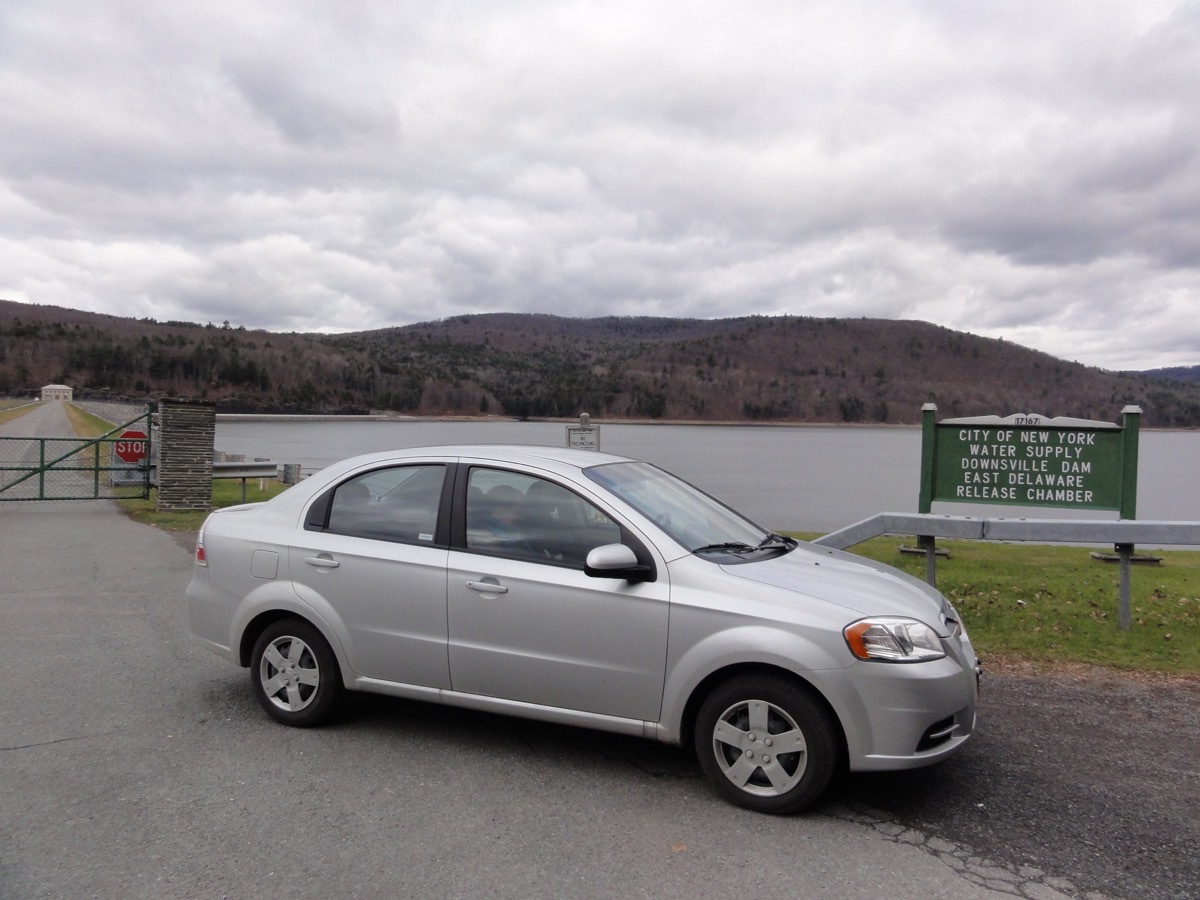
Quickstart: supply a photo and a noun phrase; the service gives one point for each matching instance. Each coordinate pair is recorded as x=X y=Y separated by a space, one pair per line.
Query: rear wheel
x=766 y=744
x=294 y=673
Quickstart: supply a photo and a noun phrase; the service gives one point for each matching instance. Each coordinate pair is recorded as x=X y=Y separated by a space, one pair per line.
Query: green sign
x=1030 y=460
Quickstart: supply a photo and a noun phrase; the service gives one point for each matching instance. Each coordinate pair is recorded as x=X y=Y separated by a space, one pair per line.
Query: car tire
x=294 y=674
x=766 y=743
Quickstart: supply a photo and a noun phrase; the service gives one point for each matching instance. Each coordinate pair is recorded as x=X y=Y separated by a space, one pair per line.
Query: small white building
x=57 y=392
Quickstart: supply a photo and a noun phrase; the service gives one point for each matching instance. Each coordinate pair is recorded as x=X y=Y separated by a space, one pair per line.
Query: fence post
x=1131 y=418
x=928 y=451
x=928 y=543
x=1125 y=555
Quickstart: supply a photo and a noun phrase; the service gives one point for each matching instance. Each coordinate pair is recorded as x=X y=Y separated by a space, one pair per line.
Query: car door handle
x=487 y=587
x=322 y=562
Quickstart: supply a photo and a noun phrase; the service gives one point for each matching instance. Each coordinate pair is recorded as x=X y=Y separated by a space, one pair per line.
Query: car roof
x=563 y=460
x=520 y=452
x=560 y=460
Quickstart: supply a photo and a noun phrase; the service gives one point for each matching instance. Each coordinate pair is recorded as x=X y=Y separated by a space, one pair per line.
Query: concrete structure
x=185 y=454
x=57 y=392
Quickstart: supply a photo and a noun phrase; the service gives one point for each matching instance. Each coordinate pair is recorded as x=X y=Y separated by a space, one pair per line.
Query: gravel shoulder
x=1080 y=771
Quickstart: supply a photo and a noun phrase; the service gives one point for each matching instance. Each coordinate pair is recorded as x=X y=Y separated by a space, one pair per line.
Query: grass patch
x=8 y=414
x=85 y=424
x=1055 y=604
x=226 y=492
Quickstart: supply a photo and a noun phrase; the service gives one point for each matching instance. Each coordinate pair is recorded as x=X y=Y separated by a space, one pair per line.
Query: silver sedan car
x=587 y=589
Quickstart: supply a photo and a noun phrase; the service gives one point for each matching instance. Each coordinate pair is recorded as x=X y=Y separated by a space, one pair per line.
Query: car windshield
x=690 y=516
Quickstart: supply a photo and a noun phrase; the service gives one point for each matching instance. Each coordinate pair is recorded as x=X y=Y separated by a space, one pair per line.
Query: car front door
x=526 y=623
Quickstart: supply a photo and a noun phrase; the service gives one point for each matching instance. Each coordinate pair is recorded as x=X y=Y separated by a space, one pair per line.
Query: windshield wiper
x=729 y=547
x=778 y=539
x=770 y=540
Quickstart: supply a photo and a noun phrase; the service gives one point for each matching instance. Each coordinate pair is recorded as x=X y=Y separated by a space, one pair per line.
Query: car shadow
x=908 y=795
x=454 y=727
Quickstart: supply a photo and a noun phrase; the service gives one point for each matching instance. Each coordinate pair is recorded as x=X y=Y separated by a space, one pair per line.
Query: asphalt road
x=45 y=420
x=135 y=764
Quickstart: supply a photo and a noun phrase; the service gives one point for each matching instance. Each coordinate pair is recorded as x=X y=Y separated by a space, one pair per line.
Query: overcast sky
x=1025 y=170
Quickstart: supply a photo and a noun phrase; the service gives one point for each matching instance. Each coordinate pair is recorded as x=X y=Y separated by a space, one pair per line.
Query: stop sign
x=131 y=446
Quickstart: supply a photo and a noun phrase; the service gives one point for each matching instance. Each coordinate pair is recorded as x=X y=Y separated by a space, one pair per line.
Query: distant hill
x=1176 y=373
x=750 y=369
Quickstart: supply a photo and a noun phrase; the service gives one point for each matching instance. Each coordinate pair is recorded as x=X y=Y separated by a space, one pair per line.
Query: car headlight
x=893 y=639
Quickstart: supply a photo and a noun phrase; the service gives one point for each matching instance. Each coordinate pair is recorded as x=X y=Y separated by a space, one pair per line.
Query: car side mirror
x=615 y=561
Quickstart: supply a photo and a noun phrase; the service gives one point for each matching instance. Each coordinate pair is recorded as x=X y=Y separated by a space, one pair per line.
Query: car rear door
x=372 y=558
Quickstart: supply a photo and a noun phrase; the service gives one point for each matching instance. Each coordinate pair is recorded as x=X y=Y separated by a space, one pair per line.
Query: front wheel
x=766 y=744
x=294 y=673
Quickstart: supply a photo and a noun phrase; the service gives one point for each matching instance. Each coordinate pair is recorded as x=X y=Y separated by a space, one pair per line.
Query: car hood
x=860 y=585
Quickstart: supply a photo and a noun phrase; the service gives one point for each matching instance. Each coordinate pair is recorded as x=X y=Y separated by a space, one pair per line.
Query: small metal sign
x=585 y=435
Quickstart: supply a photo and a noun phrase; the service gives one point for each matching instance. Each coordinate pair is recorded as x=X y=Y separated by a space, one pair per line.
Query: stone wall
x=187 y=432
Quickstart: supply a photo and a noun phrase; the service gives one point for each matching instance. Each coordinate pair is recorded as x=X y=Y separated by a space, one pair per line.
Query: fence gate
x=114 y=465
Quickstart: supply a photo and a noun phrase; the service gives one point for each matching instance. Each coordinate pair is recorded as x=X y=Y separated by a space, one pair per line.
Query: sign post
x=1030 y=460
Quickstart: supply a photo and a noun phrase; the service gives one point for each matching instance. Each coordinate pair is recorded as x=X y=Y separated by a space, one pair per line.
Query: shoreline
x=545 y=420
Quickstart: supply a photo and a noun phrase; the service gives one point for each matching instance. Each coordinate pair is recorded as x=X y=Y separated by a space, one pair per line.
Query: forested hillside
x=1176 y=373
x=789 y=369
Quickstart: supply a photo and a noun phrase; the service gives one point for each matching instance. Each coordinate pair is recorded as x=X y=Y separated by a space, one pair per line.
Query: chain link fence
x=78 y=468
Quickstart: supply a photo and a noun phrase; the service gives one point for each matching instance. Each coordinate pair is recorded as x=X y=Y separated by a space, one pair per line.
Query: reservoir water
x=801 y=478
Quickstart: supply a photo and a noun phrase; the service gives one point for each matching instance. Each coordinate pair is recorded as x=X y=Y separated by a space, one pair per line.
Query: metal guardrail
x=1123 y=534
x=235 y=470
x=245 y=471
x=1071 y=531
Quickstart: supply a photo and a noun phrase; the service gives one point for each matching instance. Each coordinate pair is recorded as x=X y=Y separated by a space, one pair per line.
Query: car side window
x=521 y=516
x=394 y=504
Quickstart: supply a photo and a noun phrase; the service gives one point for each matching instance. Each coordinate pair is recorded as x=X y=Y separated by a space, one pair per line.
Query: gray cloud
x=1016 y=169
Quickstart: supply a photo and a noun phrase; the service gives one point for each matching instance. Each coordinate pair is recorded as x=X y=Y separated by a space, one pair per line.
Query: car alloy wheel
x=766 y=744
x=294 y=673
